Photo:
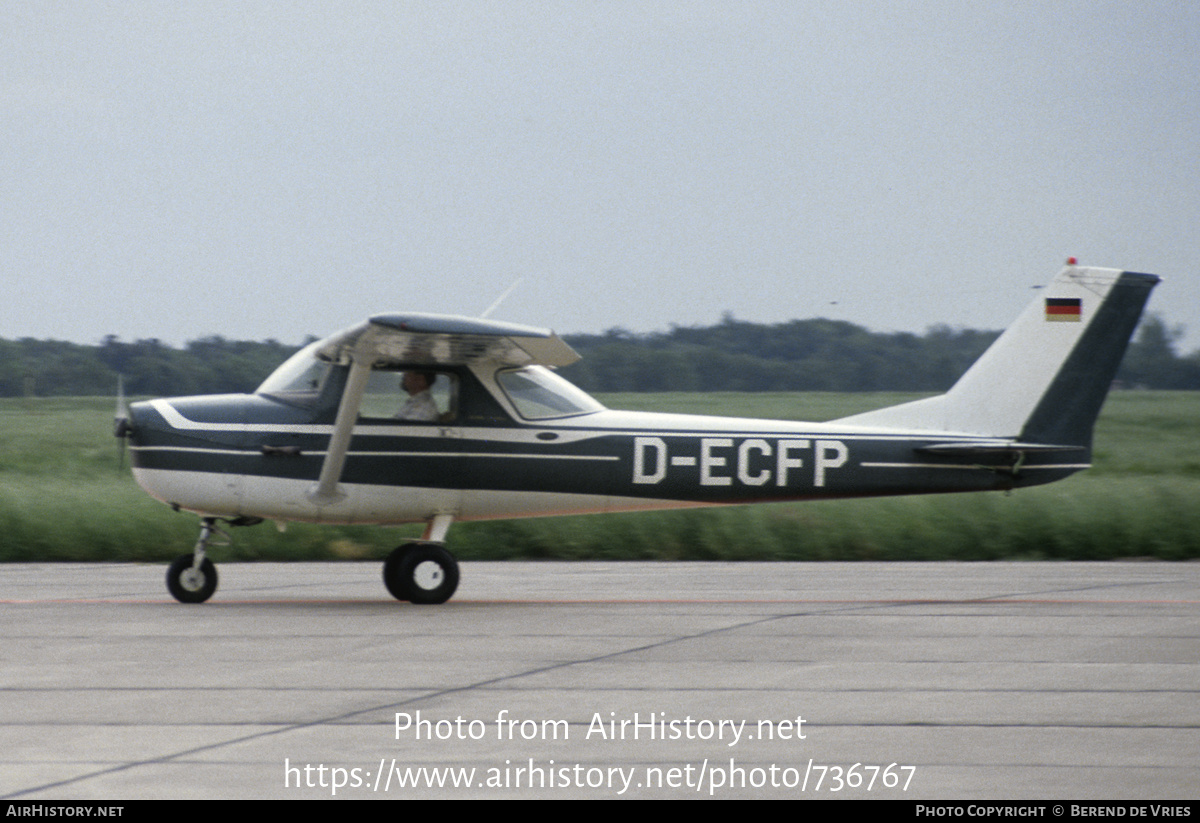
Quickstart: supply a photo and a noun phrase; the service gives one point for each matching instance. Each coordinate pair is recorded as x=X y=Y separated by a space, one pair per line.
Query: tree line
x=53 y=368
x=830 y=355
x=733 y=355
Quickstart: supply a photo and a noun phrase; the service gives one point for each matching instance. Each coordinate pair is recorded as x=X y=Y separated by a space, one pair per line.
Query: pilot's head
x=415 y=382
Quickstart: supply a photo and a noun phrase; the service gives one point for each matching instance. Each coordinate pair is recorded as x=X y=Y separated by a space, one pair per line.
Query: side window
x=539 y=394
x=411 y=395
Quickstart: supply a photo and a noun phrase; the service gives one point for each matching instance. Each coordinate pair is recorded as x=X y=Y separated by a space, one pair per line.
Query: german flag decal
x=1064 y=309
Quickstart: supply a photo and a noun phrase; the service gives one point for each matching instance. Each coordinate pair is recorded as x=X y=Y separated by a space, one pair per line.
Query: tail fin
x=1045 y=378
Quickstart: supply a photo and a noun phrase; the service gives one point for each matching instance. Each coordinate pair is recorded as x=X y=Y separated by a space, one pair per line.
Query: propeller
x=121 y=425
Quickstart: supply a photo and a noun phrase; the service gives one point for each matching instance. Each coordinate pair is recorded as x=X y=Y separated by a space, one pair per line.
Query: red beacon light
x=1071 y=261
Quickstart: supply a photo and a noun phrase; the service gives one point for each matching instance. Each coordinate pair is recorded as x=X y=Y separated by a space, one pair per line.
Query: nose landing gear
x=192 y=578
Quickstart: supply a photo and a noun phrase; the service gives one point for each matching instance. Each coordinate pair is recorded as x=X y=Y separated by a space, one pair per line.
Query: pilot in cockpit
x=420 y=405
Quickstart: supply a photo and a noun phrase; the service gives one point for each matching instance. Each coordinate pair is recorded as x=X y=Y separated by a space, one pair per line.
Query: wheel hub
x=192 y=580
x=428 y=575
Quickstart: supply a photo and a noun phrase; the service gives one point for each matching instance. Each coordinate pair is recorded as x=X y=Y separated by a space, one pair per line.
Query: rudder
x=1068 y=410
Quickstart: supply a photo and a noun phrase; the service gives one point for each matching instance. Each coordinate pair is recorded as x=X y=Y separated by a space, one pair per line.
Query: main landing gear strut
x=419 y=572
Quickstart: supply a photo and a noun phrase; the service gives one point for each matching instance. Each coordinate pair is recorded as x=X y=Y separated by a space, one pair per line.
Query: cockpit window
x=538 y=394
x=299 y=379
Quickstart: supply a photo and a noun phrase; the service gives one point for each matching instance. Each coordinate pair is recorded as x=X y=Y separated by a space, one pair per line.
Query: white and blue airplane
x=431 y=418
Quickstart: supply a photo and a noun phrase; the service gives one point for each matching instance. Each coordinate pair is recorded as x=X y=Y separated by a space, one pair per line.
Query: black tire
x=392 y=577
x=422 y=573
x=188 y=585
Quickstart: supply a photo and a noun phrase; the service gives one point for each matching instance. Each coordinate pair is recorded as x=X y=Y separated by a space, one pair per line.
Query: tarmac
x=910 y=681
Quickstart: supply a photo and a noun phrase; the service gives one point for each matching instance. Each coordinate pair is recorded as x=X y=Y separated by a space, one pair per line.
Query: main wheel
x=188 y=585
x=392 y=577
x=421 y=573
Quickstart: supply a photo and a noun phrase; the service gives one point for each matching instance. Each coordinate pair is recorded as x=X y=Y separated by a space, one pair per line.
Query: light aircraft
x=500 y=435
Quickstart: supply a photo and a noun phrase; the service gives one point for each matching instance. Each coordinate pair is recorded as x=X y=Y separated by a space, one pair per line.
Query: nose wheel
x=192 y=578
x=191 y=584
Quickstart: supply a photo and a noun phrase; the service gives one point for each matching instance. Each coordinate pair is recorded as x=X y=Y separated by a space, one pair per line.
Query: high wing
x=445 y=340
x=424 y=340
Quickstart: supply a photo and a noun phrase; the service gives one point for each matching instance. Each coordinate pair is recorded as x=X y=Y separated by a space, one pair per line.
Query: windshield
x=300 y=377
x=538 y=393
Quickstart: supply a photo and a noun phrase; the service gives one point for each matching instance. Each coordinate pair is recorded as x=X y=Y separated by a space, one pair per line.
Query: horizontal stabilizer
x=999 y=447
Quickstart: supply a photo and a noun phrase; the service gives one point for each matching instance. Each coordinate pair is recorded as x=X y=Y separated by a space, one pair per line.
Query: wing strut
x=326 y=490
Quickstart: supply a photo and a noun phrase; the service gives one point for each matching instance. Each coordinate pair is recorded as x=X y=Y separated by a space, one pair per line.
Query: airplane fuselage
x=251 y=456
x=413 y=417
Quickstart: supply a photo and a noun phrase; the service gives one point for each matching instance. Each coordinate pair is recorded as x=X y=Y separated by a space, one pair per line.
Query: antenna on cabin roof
x=500 y=299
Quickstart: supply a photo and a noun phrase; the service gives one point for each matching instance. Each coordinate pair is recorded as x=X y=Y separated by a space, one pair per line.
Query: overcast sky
x=272 y=170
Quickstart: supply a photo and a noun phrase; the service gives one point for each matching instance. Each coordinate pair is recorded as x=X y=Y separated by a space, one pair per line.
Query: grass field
x=63 y=497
